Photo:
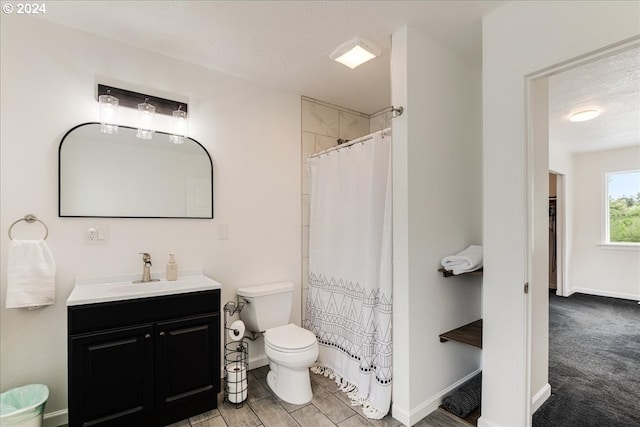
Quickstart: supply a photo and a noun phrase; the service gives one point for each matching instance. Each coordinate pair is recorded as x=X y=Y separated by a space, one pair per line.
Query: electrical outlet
x=92 y=234
x=97 y=235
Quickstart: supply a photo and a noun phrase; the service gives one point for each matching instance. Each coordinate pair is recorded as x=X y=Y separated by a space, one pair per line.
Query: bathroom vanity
x=143 y=354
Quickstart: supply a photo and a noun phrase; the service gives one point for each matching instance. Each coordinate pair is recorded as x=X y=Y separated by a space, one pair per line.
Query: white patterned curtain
x=349 y=300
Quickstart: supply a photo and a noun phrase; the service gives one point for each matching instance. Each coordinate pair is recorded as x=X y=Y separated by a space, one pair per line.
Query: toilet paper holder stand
x=236 y=360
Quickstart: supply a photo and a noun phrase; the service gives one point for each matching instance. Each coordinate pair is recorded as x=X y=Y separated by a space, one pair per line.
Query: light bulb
x=180 y=126
x=146 y=112
x=108 y=105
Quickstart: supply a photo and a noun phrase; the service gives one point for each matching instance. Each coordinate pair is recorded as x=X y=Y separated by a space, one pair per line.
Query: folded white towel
x=31 y=273
x=468 y=260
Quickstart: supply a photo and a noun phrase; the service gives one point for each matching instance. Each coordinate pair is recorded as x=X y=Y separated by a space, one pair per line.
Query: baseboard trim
x=259 y=361
x=600 y=293
x=400 y=414
x=483 y=422
x=56 y=418
x=540 y=397
x=411 y=417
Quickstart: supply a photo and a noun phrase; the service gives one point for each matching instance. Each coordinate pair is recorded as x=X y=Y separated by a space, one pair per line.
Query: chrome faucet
x=146 y=269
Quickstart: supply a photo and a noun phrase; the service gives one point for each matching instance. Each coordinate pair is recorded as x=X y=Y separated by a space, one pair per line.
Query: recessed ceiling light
x=355 y=52
x=583 y=116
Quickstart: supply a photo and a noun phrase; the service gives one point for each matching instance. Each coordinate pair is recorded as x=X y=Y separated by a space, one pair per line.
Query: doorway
x=547 y=213
x=557 y=232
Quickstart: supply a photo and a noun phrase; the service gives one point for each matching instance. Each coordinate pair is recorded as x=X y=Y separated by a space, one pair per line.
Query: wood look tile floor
x=329 y=408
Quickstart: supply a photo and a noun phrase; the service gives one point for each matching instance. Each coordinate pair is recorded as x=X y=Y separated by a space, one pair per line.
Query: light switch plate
x=223 y=231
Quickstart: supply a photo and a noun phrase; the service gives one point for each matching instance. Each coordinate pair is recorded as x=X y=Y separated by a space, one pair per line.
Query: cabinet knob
x=147 y=336
x=161 y=334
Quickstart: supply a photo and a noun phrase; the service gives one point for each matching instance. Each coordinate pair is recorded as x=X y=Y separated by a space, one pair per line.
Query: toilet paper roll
x=236 y=382
x=236 y=330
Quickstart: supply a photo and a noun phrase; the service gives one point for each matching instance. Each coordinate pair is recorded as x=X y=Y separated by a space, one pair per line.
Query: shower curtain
x=348 y=306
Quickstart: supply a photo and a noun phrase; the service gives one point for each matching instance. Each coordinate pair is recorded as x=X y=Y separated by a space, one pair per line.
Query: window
x=623 y=207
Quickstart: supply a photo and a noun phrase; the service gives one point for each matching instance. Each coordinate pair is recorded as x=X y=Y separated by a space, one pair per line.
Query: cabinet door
x=188 y=363
x=111 y=377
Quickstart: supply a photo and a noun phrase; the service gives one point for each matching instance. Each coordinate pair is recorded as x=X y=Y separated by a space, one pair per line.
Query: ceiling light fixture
x=355 y=52
x=583 y=116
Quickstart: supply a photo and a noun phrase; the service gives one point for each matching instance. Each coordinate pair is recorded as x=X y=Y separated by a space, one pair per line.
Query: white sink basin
x=93 y=290
x=137 y=288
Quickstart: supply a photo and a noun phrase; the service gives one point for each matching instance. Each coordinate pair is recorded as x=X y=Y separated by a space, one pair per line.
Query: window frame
x=606 y=238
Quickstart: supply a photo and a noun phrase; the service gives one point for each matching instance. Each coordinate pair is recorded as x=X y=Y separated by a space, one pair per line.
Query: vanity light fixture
x=108 y=109
x=180 y=126
x=146 y=112
x=147 y=106
x=355 y=52
x=583 y=116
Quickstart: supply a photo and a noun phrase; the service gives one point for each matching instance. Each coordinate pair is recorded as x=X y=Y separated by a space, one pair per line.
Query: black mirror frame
x=118 y=216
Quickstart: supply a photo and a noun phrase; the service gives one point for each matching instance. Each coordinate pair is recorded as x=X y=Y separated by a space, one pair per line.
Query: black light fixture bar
x=127 y=98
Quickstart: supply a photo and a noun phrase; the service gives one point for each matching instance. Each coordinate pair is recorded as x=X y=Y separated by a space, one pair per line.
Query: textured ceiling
x=610 y=85
x=285 y=45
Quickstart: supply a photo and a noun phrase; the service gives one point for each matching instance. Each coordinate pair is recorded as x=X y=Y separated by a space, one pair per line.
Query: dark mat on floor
x=466 y=398
x=594 y=363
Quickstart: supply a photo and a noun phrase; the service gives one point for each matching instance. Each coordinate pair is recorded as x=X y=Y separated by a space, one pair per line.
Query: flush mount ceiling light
x=355 y=52
x=583 y=116
x=147 y=105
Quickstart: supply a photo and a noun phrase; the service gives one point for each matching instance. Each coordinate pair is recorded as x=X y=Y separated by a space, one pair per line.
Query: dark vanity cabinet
x=111 y=377
x=144 y=362
x=183 y=355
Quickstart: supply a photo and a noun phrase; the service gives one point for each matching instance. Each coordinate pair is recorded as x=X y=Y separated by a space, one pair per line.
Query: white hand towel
x=469 y=259
x=31 y=273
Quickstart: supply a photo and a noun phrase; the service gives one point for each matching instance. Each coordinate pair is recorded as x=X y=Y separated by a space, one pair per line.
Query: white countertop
x=91 y=290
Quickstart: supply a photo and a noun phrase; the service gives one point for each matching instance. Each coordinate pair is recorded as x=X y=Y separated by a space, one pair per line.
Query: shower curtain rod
x=362 y=139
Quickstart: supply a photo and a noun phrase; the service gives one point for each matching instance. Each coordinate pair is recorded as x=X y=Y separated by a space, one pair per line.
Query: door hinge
x=526 y=288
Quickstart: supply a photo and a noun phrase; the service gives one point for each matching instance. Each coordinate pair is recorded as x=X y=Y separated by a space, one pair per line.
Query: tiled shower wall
x=322 y=125
x=379 y=121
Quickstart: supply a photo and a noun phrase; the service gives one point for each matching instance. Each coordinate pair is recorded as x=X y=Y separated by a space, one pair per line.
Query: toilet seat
x=290 y=339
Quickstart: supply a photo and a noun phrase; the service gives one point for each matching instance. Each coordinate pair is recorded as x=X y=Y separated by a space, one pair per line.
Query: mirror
x=121 y=176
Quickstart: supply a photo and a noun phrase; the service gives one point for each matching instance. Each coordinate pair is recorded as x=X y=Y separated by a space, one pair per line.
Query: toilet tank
x=266 y=306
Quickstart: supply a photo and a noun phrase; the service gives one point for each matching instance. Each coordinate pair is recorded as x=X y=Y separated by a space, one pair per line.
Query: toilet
x=291 y=350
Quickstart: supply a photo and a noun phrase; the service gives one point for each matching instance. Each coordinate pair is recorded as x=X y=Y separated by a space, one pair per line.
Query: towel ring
x=30 y=219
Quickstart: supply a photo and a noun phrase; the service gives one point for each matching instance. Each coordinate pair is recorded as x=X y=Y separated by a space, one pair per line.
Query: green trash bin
x=23 y=406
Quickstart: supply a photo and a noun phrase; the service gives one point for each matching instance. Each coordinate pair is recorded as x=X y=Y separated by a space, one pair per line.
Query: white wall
x=436 y=212
x=522 y=38
x=596 y=269
x=49 y=76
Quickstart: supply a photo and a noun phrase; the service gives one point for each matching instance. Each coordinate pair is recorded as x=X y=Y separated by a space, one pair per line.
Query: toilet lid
x=290 y=337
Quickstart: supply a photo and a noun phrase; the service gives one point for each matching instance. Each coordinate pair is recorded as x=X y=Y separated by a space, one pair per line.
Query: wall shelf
x=470 y=334
x=449 y=273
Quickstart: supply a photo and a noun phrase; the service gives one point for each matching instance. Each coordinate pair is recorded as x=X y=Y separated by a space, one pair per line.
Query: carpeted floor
x=594 y=363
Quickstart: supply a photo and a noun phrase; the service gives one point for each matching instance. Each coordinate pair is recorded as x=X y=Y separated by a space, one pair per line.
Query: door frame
x=536 y=88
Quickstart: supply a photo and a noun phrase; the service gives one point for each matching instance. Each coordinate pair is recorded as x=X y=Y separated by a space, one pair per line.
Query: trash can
x=23 y=406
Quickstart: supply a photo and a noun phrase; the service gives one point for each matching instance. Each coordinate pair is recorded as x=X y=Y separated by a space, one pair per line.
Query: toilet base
x=291 y=385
